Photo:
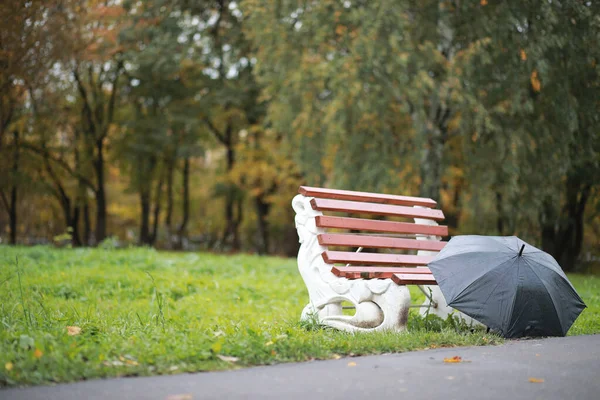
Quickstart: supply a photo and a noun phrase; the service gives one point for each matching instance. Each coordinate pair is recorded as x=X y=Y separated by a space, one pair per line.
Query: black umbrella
x=508 y=285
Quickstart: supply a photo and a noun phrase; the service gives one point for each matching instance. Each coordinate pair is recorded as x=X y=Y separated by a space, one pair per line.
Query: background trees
x=182 y=125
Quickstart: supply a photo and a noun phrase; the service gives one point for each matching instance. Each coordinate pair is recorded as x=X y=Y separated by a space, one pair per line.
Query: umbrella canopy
x=508 y=285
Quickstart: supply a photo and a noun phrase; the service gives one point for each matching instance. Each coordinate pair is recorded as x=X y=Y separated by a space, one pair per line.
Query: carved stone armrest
x=380 y=304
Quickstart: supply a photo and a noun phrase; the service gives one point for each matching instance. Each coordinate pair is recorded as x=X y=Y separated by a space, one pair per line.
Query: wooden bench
x=396 y=237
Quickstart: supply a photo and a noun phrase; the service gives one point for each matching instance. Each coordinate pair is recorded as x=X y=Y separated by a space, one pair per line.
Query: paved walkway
x=569 y=367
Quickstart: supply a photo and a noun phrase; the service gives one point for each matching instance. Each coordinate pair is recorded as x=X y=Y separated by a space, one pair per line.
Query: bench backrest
x=415 y=221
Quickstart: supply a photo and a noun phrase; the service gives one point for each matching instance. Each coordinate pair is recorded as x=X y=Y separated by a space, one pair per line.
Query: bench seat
x=375 y=272
x=413 y=279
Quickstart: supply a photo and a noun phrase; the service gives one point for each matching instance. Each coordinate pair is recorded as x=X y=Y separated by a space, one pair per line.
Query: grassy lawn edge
x=75 y=314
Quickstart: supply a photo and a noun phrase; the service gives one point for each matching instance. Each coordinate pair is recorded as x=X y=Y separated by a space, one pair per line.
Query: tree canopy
x=182 y=124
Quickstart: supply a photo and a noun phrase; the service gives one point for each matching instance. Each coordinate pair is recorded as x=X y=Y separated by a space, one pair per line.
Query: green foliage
x=198 y=120
x=143 y=312
x=64 y=238
x=110 y=243
x=385 y=95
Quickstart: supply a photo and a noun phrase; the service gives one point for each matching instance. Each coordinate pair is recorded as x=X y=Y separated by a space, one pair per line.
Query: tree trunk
x=169 y=213
x=230 y=236
x=74 y=223
x=145 y=216
x=182 y=231
x=75 y=235
x=500 y=217
x=156 y=214
x=236 y=244
x=231 y=233
x=101 y=213
x=262 y=212
x=12 y=211
x=146 y=166
x=87 y=226
x=562 y=232
x=431 y=164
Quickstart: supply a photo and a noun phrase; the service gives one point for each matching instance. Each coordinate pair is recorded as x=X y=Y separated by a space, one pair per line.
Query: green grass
x=143 y=312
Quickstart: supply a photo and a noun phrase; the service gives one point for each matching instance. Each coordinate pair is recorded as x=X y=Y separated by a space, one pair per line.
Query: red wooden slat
x=325 y=221
x=378 y=242
x=377 y=209
x=366 y=196
x=380 y=272
x=349 y=257
x=414 y=279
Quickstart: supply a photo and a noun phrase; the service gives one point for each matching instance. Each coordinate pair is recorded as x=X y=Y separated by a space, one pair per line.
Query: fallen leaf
x=536 y=380
x=8 y=366
x=455 y=359
x=269 y=343
x=352 y=364
x=227 y=358
x=537 y=355
x=185 y=396
x=38 y=353
x=73 y=330
x=336 y=356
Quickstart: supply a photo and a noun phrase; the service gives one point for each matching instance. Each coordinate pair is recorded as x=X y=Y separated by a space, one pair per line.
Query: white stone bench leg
x=435 y=303
x=380 y=304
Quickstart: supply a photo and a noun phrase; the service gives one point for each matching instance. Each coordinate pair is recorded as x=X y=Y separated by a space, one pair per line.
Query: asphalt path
x=555 y=368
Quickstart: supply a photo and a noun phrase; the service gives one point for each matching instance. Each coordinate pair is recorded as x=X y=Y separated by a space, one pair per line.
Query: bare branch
x=112 y=100
x=6 y=122
x=44 y=153
x=220 y=137
x=86 y=103
x=4 y=200
x=60 y=190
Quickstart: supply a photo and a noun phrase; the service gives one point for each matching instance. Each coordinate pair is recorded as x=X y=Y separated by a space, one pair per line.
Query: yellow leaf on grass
x=73 y=330
x=352 y=364
x=38 y=353
x=185 y=396
x=536 y=380
x=455 y=359
x=336 y=356
x=8 y=366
